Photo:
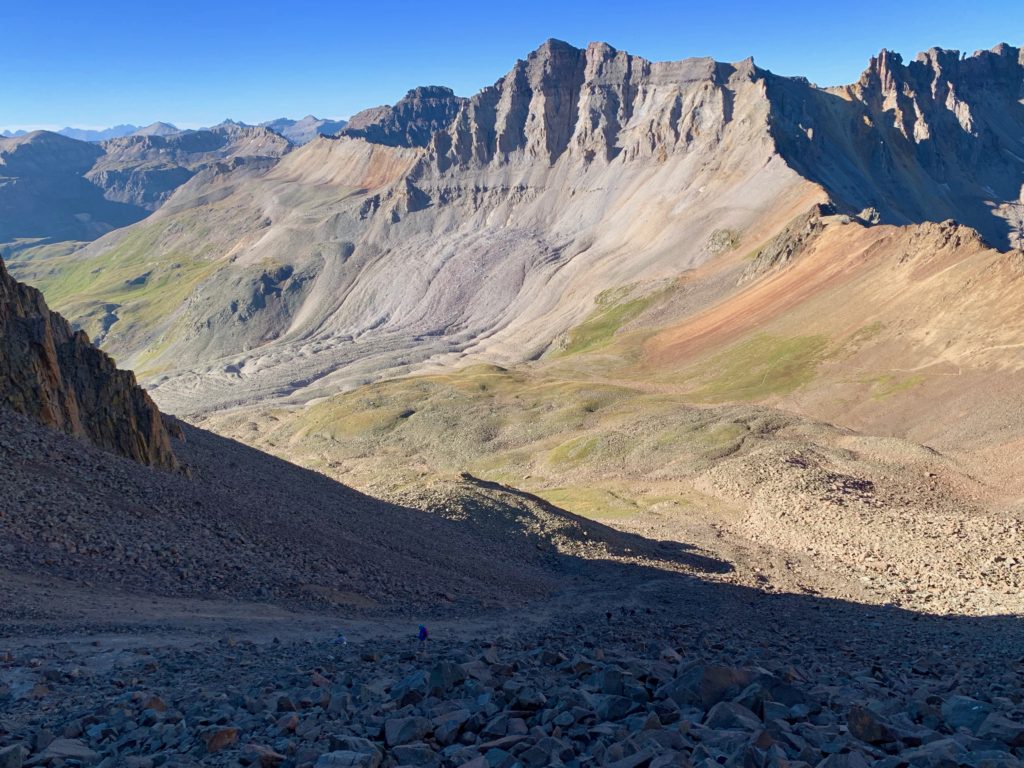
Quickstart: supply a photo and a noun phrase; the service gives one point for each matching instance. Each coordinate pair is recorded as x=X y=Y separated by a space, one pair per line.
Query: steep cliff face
x=597 y=103
x=939 y=137
x=54 y=375
x=409 y=123
x=444 y=226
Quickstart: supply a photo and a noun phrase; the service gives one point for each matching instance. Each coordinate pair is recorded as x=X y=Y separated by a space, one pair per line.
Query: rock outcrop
x=411 y=122
x=936 y=138
x=54 y=375
x=597 y=104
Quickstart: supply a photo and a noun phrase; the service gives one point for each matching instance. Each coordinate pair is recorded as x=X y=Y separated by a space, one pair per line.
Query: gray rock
x=869 y=726
x=411 y=689
x=354 y=744
x=12 y=756
x=443 y=677
x=612 y=707
x=638 y=760
x=414 y=754
x=728 y=715
x=404 y=730
x=965 y=712
x=1001 y=728
x=706 y=686
x=348 y=759
x=845 y=760
x=67 y=749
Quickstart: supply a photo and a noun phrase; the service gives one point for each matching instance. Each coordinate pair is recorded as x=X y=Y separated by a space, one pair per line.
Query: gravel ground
x=683 y=672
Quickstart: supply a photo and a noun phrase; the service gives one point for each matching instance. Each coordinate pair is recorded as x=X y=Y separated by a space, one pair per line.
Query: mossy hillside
x=759 y=367
x=595 y=449
x=887 y=385
x=592 y=502
x=615 y=308
x=143 y=292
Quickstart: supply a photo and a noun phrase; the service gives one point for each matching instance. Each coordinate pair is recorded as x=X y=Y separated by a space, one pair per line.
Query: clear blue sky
x=195 y=63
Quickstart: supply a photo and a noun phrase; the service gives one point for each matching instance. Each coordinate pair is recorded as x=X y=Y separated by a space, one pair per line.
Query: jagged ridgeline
x=55 y=375
x=489 y=226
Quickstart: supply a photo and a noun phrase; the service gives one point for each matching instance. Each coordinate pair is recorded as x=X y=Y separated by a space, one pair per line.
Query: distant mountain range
x=54 y=188
x=296 y=131
x=85 y=134
x=442 y=225
x=304 y=130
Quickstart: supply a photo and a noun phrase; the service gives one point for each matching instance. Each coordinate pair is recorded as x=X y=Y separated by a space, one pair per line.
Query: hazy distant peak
x=305 y=130
x=157 y=129
x=102 y=134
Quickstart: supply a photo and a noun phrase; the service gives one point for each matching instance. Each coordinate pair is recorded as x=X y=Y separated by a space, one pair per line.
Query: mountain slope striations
x=355 y=257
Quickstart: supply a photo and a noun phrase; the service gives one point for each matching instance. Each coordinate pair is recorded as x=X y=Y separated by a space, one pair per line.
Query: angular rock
x=1001 y=728
x=348 y=759
x=404 y=730
x=869 y=726
x=12 y=756
x=964 y=712
x=727 y=715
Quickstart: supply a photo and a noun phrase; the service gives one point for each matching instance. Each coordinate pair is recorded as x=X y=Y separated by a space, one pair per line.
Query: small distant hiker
x=341 y=639
x=422 y=636
x=608 y=616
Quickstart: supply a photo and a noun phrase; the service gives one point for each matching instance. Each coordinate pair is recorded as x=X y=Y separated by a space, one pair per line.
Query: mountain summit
x=445 y=226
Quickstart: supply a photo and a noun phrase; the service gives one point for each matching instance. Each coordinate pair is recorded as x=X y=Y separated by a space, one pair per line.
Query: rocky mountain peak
x=933 y=74
x=411 y=122
x=590 y=104
x=54 y=375
x=928 y=139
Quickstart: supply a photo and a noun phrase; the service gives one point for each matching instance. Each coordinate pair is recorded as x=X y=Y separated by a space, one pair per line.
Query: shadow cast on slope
x=249 y=526
x=618 y=543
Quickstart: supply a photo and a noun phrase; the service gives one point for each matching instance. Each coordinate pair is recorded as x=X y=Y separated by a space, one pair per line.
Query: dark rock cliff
x=55 y=375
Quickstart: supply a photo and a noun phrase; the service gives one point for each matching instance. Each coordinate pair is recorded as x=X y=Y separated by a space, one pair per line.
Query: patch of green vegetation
x=573 y=452
x=590 y=502
x=146 y=291
x=858 y=339
x=23 y=251
x=889 y=384
x=761 y=366
x=720 y=440
x=615 y=308
x=342 y=423
x=868 y=332
x=598 y=329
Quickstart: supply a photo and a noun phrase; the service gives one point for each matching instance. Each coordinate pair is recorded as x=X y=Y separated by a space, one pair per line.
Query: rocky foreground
x=683 y=673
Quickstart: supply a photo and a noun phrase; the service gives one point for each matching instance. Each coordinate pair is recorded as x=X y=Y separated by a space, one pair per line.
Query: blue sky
x=96 y=64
